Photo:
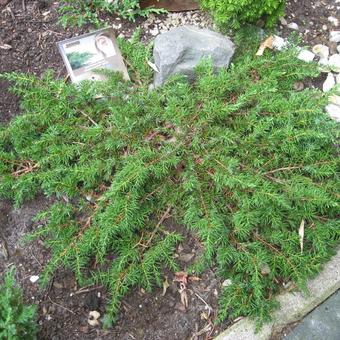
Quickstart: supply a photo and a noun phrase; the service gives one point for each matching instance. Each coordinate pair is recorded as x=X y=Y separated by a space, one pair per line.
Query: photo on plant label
x=85 y=54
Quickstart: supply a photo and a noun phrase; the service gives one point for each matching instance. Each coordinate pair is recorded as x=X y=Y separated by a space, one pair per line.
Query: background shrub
x=17 y=321
x=80 y=12
x=234 y=13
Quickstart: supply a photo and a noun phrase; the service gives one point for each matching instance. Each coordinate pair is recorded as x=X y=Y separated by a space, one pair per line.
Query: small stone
x=306 y=56
x=93 y=318
x=298 y=86
x=279 y=43
x=283 y=21
x=329 y=83
x=333 y=111
x=227 y=283
x=338 y=48
x=334 y=62
x=321 y=51
x=265 y=270
x=293 y=26
x=334 y=21
x=334 y=100
x=334 y=36
x=34 y=278
x=324 y=27
x=337 y=79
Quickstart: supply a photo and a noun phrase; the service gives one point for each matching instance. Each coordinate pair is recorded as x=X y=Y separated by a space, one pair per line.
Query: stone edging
x=294 y=306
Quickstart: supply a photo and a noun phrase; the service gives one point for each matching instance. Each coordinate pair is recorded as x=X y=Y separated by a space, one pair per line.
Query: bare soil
x=31 y=30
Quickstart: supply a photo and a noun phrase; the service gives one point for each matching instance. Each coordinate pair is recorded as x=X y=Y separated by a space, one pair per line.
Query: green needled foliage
x=235 y=13
x=17 y=321
x=239 y=158
x=81 y=12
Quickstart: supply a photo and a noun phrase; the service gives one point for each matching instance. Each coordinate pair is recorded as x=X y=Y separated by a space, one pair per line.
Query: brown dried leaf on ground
x=268 y=43
x=165 y=286
x=181 y=277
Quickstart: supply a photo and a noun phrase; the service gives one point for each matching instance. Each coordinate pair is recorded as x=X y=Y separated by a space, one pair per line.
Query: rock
x=306 y=56
x=321 y=51
x=298 y=86
x=334 y=100
x=333 y=111
x=265 y=269
x=329 y=83
x=334 y=36
x=279 y=43
x=283 y=21
x=334 y=21
x=337 y=79
x=227 y=283
x=34 y=278
x=181 y=49
x=93 y=318
x=334 y=62
x=293 y=26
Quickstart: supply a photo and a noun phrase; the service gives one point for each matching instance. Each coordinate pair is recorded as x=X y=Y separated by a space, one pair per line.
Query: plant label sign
x=86 y=53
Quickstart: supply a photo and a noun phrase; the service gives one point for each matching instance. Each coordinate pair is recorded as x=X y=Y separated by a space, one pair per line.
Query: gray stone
x=181 y=49
x=322 y=323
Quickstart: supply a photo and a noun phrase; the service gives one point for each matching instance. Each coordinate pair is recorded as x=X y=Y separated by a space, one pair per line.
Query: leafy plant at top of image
x=79 y=59
x=80 y=12
x=239 y=158
x=234 y=13
x=17 y=320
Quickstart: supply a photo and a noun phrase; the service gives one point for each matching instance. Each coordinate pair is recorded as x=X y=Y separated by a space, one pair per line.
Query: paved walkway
x=323 y=323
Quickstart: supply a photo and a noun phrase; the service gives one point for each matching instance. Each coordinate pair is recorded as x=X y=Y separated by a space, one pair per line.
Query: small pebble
x=329 y=83
x=34 y=278
x=334 y=36
x=293 y=26
x=306 y=56
x=333 y=111
x=334 y=62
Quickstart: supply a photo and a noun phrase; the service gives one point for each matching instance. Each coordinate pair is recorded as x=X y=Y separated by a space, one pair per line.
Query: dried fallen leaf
x=302 y=234
x=181 y=277
x=165 y=286
x=184 y=298
x=194 y=278
x=268 y=43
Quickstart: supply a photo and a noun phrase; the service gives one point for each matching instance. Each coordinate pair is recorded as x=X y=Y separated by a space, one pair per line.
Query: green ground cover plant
x=80 y=12
x=240 y=159
x=17 y=320
x=234 y=13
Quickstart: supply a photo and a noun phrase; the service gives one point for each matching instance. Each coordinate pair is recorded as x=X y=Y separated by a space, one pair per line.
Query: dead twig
x=206 y=304
x=61 y=306
x=164 y=217
x=288 y=168
x=86 y=289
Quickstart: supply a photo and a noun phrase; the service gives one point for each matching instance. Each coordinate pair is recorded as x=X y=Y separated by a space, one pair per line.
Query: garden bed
x=32 y=32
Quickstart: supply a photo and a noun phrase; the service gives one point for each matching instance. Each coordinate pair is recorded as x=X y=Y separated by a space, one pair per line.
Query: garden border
x=294 y=305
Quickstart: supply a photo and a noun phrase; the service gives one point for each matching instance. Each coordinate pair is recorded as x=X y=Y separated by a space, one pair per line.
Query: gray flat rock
x=181 y=49
x=322 y=323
